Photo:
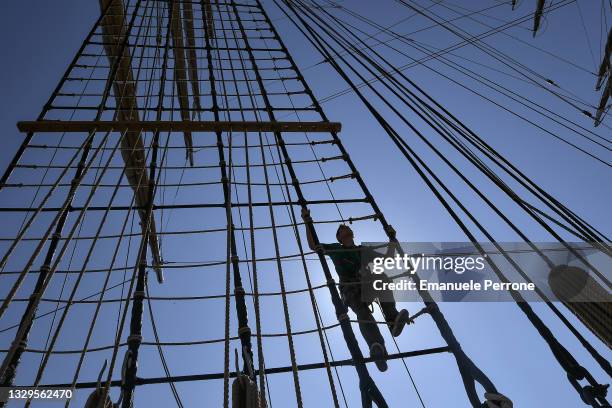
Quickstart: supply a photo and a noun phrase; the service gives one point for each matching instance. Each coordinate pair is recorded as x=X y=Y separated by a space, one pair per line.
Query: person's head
x=345 y=236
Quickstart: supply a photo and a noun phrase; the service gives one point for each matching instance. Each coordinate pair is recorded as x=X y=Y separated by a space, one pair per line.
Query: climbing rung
x=176 y=126
x=273 y=370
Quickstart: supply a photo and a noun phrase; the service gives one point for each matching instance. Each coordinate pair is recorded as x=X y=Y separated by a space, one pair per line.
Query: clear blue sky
x=40 y=38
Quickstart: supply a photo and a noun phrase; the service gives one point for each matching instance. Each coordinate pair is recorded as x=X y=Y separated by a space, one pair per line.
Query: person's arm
x=391 y=247
x=308 y=221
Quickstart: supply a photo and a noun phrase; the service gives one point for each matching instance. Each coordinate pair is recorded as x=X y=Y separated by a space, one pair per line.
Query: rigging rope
x=323 y=339
x=450 y=129
x=556 y=348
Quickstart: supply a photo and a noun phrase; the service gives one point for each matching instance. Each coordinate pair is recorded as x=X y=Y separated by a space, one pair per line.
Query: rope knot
x=134 y=338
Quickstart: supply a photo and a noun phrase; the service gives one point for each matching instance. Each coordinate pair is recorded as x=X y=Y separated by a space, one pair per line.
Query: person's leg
x=371 y=334
x=351 y=296
x=367 y=324
x=387 y=301
x=390 y=311
x=396 y=320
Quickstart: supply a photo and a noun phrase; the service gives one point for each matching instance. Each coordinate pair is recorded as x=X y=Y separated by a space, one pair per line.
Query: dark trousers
x=351 y=295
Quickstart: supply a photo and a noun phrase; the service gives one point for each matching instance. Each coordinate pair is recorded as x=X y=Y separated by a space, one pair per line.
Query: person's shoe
x=402 y=319
x=496 y=400
x=378 y=353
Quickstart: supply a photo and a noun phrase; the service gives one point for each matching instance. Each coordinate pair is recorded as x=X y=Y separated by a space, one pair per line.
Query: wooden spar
x=584 y=297
x=191 y=54
x=180 y=75
x=210 y=24
x=41 y=126
x=537 y=17
x=124 y=87
x=604 y=67
x=603 y=101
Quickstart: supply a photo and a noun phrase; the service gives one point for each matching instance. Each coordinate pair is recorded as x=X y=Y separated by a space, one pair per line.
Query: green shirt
x=348 y=261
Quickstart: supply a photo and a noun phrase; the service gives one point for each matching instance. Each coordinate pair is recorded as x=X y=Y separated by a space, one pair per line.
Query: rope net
x=153 y=239
x=214 y=215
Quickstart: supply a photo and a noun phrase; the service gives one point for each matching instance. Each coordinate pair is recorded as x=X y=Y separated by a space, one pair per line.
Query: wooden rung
x=175 y=126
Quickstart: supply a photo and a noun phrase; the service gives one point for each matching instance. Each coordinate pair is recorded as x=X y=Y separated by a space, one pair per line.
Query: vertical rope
x=255 y=284
x=244 y=331
x=227 y=202
x=369 y=390
x=79 y=222
x=135 y=337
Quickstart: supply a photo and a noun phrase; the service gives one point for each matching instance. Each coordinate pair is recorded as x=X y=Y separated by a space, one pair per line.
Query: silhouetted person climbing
x=347 y=259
